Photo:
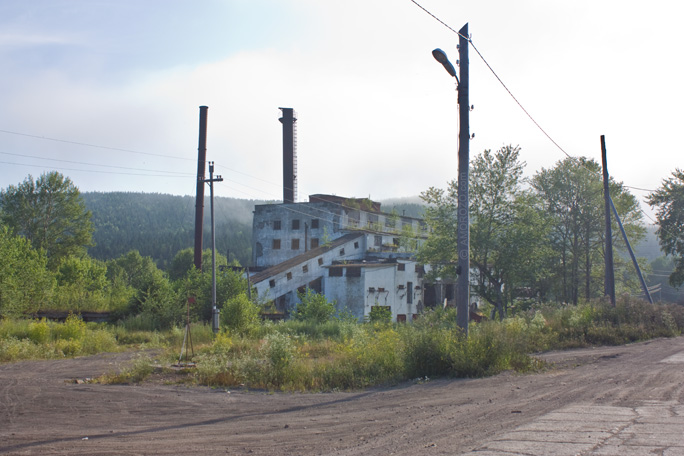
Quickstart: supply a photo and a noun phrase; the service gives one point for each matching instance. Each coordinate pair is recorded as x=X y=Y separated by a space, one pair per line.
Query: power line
x=93 y=145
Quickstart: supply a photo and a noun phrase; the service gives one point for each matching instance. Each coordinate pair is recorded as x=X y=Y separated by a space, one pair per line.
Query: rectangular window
x=401 y=267
x=289 y=276
x=271 y=283
x=295 y=224
x=335 y=272
x=341 y=252
x=390 y=222
x=377 y=241
x=276 y=224
x=314 y=243
x=356 y=245
x=409 y=292
x=320 y=261
x=314 y=224
x=276 y=244
x=305 y=268
x=353 y=271
x=295 y=244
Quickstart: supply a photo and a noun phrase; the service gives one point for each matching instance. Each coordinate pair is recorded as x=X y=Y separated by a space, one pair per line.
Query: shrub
x=240 y=315
x=39 y=331
x=314 y=307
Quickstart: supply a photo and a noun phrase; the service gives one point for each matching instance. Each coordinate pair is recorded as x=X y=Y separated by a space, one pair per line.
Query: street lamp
x=462 y=219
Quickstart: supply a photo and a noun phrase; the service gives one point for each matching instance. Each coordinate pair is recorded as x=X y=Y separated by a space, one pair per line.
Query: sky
x=107 y=92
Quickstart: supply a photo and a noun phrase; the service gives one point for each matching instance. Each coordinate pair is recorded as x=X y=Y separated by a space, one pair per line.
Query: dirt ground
x=43 y=411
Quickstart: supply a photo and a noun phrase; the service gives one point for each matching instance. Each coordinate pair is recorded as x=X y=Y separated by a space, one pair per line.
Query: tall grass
x=340 y=354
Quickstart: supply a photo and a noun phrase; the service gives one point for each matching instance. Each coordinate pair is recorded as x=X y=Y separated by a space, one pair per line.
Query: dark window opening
x=295 y=244
x=305 y=268
x=401 y=267
x=320 y=261
x=401 y=318
x=341 y=252
x=295 y=224
x=314 y=243
x=353 y=271
x=377 y=241
x=289 y=276
x=276 y=224
x=271 y=283
x=335 y=272
x=356 y=245
x=276 y=244
x=409 y=292
x=314 y=224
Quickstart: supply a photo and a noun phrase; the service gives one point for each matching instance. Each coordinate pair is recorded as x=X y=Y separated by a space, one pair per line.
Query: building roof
x=313 y=253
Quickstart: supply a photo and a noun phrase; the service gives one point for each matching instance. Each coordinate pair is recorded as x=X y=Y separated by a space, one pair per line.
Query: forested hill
x=160 y=225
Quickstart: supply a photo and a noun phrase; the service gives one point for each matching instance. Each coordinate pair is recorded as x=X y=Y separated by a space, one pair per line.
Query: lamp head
x=441 y=57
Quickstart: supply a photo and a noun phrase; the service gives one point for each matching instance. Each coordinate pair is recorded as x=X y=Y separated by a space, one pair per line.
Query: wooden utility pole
x=609 y=278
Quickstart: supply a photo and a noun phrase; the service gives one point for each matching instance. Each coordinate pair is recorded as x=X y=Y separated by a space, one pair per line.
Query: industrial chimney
x=289 y=155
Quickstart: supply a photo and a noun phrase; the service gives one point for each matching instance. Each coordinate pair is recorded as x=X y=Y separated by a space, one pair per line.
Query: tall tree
x=669 y=203
x=507 y=234
x=50 y=213
x=572 y=195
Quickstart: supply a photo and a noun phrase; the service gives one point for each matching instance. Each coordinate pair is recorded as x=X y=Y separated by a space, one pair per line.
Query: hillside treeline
x=160 y=225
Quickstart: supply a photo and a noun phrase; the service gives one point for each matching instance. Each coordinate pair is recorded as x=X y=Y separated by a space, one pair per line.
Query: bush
x=240 y=314
x=314 y=307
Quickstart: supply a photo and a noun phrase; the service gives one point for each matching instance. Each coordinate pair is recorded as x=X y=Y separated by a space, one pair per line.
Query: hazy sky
x=377 y=115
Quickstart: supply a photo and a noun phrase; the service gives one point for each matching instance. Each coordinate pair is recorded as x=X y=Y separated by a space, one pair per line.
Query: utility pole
x=609 y=278
x=214 y=309
x=463 y=219
x=199 y=201
x=462 y=209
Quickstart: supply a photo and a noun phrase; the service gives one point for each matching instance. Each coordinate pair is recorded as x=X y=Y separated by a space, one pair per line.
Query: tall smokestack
x=289 y=155
x=199 y=202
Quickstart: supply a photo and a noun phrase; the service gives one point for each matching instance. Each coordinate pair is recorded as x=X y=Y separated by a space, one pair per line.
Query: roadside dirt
x=43 y=411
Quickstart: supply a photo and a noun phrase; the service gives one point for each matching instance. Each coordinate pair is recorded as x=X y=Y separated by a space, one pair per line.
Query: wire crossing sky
x=108 y=93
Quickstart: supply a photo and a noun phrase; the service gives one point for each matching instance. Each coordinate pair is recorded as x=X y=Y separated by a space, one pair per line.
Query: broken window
x=401 y=267
x=320 y=261
x=335 y=272
x=289 y=276
x=271 y=283
x=377 y=241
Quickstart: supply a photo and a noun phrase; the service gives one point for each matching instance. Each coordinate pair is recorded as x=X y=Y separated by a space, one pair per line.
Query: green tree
x=25 y=283
x=508 y=246
x=572 y=195
x=239 y=314
x=81 y=284
x=50 y=213
x=668 y=200
x=184 y=261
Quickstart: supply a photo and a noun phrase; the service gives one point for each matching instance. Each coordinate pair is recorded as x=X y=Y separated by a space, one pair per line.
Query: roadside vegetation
x=536 y=256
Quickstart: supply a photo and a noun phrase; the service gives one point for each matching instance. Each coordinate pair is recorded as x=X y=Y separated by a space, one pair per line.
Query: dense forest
x=160 y=225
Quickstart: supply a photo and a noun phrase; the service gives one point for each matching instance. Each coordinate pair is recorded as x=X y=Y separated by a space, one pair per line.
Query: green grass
x=344 y=355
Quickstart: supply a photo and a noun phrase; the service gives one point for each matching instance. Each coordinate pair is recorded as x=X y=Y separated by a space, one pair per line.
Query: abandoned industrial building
x=345 y=248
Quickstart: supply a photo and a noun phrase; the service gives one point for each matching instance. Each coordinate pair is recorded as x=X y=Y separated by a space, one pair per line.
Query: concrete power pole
x=463 y=219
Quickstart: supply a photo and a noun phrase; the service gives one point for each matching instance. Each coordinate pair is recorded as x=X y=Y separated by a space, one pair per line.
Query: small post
x=609 y=276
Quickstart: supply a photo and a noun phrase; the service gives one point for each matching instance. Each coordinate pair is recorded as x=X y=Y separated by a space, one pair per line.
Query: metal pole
x=609 y=277
x=462 y=220
x=214 y=309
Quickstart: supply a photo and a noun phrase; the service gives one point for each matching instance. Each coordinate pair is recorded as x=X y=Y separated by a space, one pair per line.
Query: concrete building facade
x=344 y=248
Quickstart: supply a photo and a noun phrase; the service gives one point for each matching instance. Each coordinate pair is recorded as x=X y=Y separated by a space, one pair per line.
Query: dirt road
x=42 y=411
